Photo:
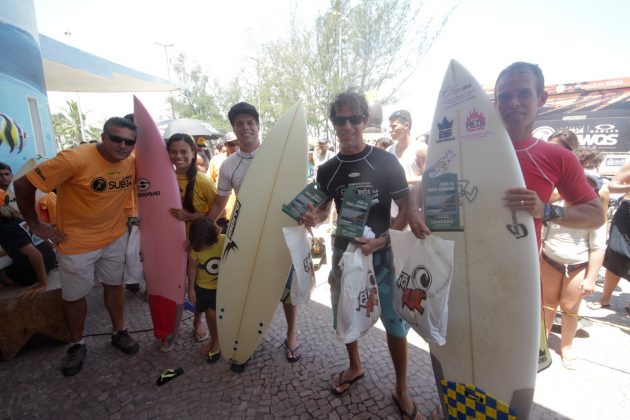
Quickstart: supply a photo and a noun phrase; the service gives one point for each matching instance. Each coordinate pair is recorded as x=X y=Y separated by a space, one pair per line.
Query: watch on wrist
x=552 y=212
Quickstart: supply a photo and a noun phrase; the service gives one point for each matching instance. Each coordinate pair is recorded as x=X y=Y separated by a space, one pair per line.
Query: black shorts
x=617 y=264
x=206 y=299
x=617 y=258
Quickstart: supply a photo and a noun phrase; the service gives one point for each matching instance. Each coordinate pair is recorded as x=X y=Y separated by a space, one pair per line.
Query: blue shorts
x=286 y=294
x=386 y=280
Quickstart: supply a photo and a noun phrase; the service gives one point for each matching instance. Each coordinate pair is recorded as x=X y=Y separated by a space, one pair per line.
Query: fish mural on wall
x=11 y=134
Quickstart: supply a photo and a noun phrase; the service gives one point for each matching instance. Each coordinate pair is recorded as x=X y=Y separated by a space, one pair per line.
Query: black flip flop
x=213 y=357
x=169 y=374
x=403 y=413
x=294 y=358
x=342 y=381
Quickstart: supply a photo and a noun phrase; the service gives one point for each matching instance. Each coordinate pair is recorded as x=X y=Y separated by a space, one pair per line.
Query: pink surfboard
x=162 y=236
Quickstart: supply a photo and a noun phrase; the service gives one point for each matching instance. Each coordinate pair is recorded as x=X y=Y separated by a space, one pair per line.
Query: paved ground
x=114 y=385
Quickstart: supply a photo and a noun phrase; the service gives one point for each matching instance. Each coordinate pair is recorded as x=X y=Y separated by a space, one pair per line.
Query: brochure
x=298 y=206
x=353 y=214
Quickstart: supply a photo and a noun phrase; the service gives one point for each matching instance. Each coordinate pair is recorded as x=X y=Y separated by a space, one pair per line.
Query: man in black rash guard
x=375 y=172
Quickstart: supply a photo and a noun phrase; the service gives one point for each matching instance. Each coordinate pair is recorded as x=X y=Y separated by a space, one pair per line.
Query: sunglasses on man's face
x=119 y=140
x=354 y=120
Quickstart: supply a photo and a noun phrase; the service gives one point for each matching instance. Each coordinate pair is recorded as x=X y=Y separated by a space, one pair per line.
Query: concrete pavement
x=118 y=386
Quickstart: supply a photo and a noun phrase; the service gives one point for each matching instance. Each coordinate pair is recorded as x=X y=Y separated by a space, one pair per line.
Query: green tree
x=67 y=126
x=195 y=101
x=375 y=45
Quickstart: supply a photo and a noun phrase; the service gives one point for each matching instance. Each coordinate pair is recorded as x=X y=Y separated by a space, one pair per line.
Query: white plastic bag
x=425 y=269
x=359 y=306
x=134 y=271
x=303 y=277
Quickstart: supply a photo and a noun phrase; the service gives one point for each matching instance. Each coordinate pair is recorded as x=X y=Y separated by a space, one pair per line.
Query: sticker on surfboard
x=441 y=202
x=470 y=402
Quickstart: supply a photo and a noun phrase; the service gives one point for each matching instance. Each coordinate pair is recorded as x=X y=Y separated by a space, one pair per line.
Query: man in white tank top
x=411 y=154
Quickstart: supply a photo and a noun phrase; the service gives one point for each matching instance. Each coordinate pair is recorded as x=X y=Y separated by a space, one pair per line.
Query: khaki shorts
x=78 y=271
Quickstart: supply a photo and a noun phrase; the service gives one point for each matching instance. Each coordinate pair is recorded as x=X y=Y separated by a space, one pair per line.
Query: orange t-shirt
x=47 y=208
x=91 y=196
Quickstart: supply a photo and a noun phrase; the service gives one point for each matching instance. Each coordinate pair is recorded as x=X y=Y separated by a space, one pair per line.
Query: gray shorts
x=78 y=271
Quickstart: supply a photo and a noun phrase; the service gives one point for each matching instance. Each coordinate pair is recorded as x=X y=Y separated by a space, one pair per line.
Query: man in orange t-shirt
x=93 y=182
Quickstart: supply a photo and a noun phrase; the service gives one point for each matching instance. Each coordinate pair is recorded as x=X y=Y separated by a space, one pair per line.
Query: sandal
x=167 y=375
x=200 y=337
x=213 y=356
x=569 y=362
x=291 y=357
x=597 y=305
x=403 y=413
x=342 y=381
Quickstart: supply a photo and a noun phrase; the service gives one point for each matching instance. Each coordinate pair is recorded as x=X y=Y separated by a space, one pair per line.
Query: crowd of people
x=94 y=183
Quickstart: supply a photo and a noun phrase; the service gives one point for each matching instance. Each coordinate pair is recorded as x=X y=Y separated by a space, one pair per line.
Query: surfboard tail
x=165 y=314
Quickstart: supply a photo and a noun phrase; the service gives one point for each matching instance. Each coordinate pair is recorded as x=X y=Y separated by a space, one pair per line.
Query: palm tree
x=67 y=126
x=76 y=118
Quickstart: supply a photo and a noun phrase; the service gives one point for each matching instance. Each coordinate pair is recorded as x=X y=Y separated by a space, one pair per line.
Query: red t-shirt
x=545 y=167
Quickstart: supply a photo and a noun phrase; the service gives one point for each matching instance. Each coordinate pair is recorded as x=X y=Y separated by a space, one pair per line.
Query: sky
x=572 y=41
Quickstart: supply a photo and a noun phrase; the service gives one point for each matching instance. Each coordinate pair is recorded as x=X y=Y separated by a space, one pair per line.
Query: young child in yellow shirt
x=204 y=257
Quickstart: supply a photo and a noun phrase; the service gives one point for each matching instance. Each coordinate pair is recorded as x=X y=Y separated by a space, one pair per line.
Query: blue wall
x=21 y=78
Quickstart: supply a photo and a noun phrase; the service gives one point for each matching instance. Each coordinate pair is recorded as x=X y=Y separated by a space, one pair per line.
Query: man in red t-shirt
x=519 y=91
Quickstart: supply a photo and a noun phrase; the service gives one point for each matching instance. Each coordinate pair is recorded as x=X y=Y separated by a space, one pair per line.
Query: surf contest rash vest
x=232 y=172
x=91 y=196
x=545 y=167
x=372 y=171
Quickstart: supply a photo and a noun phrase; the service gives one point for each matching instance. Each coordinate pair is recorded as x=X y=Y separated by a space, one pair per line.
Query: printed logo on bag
x=308 y=265
x=368 y=298
x=414 y=287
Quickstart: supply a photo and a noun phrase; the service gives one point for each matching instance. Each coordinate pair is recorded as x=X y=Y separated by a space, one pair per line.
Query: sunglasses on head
x=119 y=140
x=354 y=120
x=398 y=116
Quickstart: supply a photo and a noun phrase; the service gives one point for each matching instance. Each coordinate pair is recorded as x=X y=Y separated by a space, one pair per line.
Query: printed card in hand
x=299 y=205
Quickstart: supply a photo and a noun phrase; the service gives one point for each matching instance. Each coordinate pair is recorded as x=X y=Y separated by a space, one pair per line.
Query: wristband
x=552 y=212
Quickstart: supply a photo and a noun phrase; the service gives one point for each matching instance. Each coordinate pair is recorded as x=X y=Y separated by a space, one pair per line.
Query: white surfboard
x=491 y=351
x=255 y=260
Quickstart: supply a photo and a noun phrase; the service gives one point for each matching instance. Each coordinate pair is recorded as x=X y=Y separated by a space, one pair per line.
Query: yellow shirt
x=91 y=195
x=208 y=261
x=204 y=193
